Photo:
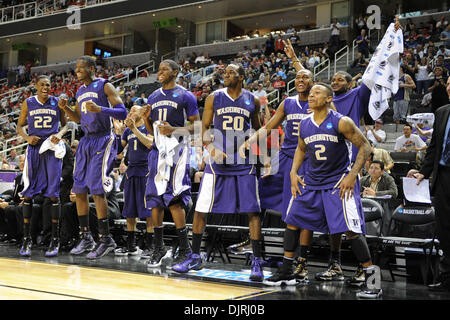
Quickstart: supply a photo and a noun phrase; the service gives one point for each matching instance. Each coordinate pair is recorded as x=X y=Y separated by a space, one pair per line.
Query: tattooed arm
x=351 y=132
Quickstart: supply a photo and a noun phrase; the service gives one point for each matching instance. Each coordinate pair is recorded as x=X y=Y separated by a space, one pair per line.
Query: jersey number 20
x=233 y=123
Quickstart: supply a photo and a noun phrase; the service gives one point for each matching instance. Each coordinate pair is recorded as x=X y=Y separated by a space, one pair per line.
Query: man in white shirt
x=335 y=32
x=260 y=92
x=376 y=134
x=409 y=142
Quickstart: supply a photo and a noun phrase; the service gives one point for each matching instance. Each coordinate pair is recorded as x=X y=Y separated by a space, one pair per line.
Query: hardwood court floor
x=117 y=278
x=25 y=279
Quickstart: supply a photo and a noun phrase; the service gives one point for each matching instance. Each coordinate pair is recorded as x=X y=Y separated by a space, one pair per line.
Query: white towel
x=382 y=73
x=166 y=148
x=59 y=148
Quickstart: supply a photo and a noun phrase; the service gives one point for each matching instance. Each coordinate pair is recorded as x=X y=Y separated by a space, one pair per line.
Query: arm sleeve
x=118 y=112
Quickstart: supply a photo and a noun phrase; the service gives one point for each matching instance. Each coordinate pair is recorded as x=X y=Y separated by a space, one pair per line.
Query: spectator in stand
x=270 y=45
x=279 y=45
x=335 y=33
x=279 y=84
x=13 y=158
x=445 y=36
x=378 y=183
x=381 y=155
x=419 y=52
x=360 y=23
x=409 y=142
x=375 y=134
x=128 y=102
x=441 y=24
x=359 y=65
x=142 y=101
x=422 y=70
x=260 y=92
x=423 y=132
x=443 y=51
x=401 y=98
x=363 y=43
x=438 y=91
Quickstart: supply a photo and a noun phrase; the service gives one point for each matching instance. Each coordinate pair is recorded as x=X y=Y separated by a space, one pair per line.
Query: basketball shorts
x=134 y=197
x=93 y=164
x=324 y=211
x=228 y=194
x=41 y=173
x=275 y=190
x=179 y=183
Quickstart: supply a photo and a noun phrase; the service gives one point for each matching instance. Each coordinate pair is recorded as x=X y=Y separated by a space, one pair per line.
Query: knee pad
x=360 y=249
x=291 y=240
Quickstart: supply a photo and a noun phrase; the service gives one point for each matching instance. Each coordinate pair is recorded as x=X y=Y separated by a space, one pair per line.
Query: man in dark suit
x=437 y=165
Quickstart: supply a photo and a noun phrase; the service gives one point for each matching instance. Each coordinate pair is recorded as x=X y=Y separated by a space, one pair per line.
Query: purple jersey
x=295 y=111
x=232 y=124
x=353 y=104
x=137 y=152
x=97 y=124
x=327 y=151
x=173 y=105
x=43 y=118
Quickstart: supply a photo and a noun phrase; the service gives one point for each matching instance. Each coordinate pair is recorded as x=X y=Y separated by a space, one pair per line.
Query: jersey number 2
x=321 y=149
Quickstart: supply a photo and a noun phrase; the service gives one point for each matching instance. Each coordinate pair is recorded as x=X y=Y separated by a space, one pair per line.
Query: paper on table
x=416 y=193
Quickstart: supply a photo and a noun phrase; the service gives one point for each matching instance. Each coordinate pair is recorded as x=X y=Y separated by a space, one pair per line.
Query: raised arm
x=264 y=131
x=290 y=53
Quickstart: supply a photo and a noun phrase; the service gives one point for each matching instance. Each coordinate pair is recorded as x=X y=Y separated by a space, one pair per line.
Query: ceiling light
x=199 y=7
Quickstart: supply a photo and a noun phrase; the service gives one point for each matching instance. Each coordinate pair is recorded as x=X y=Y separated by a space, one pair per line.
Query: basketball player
x=354 y=104
x=95 y=154
x=165 y=115
x=275 y=189
x=134 y=186
x=42 y=171
x=328 y=200
x=229 y=184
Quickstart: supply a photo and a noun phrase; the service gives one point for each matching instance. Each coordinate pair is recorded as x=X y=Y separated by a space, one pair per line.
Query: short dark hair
x=42 y=76
x=347 y=75
x=89 y=61
x=240 y=68
x=381 y=163
x=408 y=125
x=172 y=64
x=327 y=86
